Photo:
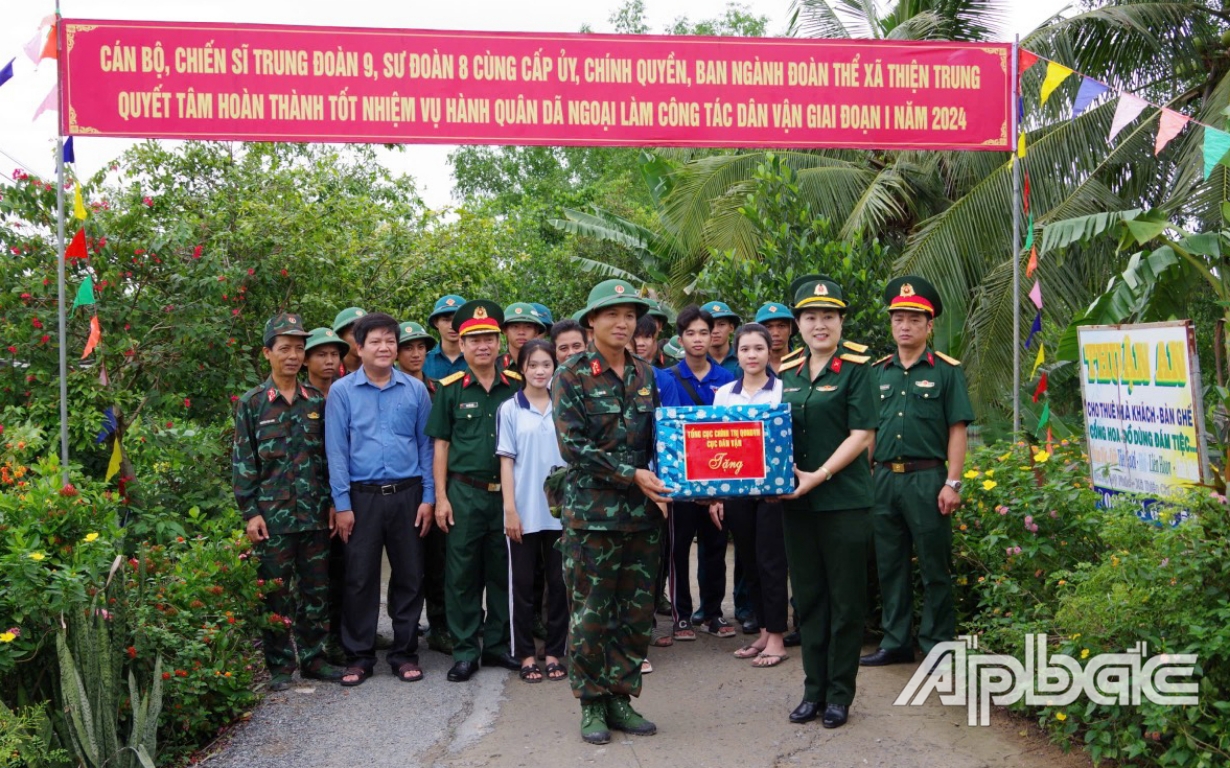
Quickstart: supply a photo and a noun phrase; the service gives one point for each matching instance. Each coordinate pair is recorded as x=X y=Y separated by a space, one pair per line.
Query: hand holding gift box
x=715 y=452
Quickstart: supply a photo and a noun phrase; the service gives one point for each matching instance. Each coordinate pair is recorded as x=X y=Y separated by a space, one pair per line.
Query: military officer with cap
x=343 y=326
x=919 y=460
x=324 y=352
x=522 y=322
x=469 y=507
x=604 y=400
x=280 y=476
x=446 y=359
x=725 y=321
x=832 y=397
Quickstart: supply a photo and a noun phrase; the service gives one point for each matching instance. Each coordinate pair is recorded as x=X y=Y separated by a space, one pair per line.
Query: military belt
x=910 y=465
x=387 y=489
x=479 y=484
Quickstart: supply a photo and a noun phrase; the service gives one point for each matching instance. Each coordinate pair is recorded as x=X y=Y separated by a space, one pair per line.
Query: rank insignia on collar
x=313 y=415
x=643 y=391
x=272 y=394
x=595 y=367
x=925 y=384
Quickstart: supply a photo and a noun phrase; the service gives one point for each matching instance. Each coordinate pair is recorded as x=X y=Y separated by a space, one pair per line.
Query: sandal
x=646 y=667
x=748 y=652
x=556 y=672
x=766 y=660
x=409 y=668
x=683 y=631
x=528 y=673
x=359 y=674
x=664 y=640
x=720 y=627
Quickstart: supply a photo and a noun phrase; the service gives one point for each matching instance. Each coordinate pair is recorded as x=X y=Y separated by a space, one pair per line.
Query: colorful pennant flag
x=76 y=249
x=85 y=294
x=37 y=43
x=103 y=379
x=1025 y=194
x=1045 y=417
x=1020 y=146
x=78 y=204
x=1035 y=294
x=113 y=468
x=1090 y=90
x=6 y=74
x=1038 y=390
x=50 y=103
x=1025 y=60
x=1055 y=74
x=1029 y=232
x=1034 y=329
x=1216 y=145
x=1032 y=266
x=1038 y=360
x=1128 y=109
x=1171 y=123
x=49 y=48
x=69 y=155
x=109 y=425
x=95 y=337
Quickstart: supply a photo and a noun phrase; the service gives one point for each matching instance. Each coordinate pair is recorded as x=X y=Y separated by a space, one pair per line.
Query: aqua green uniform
x=917 y=407
x=476 y=555
x=827 y=530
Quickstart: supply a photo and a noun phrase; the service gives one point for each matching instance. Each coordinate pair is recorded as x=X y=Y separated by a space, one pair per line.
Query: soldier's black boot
x=620 y=716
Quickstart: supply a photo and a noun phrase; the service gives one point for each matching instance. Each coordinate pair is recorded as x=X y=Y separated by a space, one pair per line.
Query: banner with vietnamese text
x=284 y=83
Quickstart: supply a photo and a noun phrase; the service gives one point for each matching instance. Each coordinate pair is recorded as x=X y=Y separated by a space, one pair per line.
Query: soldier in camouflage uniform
x=604 y=401
x=282 y=489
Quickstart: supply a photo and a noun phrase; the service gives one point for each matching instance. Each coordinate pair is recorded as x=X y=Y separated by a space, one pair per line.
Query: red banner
x=267 y=83
x=723 y=451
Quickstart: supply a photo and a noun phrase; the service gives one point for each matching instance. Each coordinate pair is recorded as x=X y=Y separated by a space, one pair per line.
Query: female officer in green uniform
x=833 y=410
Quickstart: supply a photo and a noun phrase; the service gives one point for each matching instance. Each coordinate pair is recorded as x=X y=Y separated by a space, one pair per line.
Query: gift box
x=715 y=452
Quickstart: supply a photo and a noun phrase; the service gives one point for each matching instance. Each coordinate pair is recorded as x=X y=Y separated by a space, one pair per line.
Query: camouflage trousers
x=610 y=577
x=295 y=570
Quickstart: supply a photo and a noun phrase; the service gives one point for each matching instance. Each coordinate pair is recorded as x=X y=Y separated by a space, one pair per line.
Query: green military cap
x=772 y=310
x=522 y=312
x=911 y=293
x=323 y=336
x=817 y=292
x=478 y=316
x=347 y=317
x=613 y=293
x=660 y=312
x=673 y=348
x=720 y=310
x=445 y=305
x=412 y=331
x=544 y=313
x=284 y=324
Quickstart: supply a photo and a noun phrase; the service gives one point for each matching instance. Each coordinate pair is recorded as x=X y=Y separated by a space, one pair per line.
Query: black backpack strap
x=687 y=387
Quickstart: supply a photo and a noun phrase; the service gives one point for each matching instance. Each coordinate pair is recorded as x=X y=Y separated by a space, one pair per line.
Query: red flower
x=166 y=675
x=196 y=252
x=12 y=350
x=36 y=323
x=285 y=273
x=148 y=201
x=234 y=398
x=132 y=652
x=180 y=673
x=69 y=491
x=235 y=312
x=251 y=271
x=170 y=424
x=187 y=403
x=138 y=251
x=45 y=339
x=221 y=278
x=26 y=297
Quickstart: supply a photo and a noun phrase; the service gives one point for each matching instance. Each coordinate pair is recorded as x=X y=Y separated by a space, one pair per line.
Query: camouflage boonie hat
x=411 y=331
x=445 y=305
x=284 y=324
x=347 y=317
x=478 y=316
x=613 y=293
x=323 y=336
x=720 y=310
x=522 y=312
x=911 y=293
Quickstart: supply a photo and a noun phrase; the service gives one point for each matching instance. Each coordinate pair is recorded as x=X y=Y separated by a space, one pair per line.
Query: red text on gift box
x=724 y=451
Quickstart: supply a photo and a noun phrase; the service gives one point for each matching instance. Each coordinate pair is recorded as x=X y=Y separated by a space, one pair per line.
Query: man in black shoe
x=469 y=508
x=919 y=459
x=380 y=471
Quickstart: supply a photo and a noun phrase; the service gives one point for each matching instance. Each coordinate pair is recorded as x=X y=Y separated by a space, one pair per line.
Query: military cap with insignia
x=522 y=312
x=411 y=331
x=612 y=293
x=347 y=317
x=911 y=293
x=544 y=314
x=445 y=305
x=478 y=316
x=720 y=310
x=324 y=336
x=284 y=324
x=772 y=310
x=816 y=292
x=673 y=347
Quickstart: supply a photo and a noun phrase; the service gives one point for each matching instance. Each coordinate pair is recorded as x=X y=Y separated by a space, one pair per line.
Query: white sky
x=31 y=144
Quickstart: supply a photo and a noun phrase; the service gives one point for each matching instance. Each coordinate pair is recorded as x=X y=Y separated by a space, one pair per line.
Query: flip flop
x=409 y=667
x=528 y=670
x=556 y=672
x=766 y=660
x=748 y=652
x=357 y=672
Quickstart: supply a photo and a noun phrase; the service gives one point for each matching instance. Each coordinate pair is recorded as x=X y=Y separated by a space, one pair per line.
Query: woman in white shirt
x=529 y=450
x=756 y=523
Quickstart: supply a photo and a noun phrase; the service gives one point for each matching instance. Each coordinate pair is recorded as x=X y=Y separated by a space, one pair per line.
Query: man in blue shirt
x=445 y=359
x=697 y=378
x=380 y=473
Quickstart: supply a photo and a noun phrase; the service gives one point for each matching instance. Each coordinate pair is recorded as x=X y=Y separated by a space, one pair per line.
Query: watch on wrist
x=954 y=484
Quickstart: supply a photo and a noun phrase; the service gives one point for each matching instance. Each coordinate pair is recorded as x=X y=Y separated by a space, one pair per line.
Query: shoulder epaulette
x=854 y=346
x=884 y=359
x=251 y=393
x=792 y=364
x=452 y=377
x=860 y=359
x=947 y=359
x=512 y=374
x=792 y=353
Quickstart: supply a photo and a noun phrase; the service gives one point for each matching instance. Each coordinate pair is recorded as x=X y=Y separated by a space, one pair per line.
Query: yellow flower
x=970 y=475
x=91 y=537
x=7 y=637
x=1084 y=653
x=1061 y=716
x=1005 y=457
x=990 y=472
x=36 y=556
x=1078 y=634
x=988 y=485
x=1041 y=457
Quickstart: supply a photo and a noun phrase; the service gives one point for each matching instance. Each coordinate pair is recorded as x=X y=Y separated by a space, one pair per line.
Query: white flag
x=1128 y=109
